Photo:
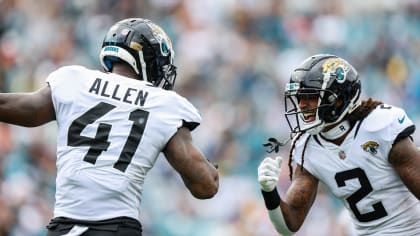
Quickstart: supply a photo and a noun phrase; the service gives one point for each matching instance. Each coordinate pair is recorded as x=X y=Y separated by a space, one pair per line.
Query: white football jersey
x=111 y=130
x=358 y=173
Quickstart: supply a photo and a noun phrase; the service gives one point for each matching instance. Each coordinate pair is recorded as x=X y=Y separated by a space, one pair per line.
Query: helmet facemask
x=161 y=60
x=310 y=119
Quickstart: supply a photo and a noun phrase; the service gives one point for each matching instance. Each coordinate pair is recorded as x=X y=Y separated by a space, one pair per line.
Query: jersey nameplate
x=113 y=91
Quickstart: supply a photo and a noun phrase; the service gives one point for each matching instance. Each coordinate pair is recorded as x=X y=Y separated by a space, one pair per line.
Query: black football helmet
x=144 y=46
x=333 y=81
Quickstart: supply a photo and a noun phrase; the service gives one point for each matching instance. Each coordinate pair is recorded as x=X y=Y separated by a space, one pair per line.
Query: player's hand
x=269 y=172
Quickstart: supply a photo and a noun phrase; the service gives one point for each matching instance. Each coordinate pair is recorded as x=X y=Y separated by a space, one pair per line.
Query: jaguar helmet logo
x=371 y=147
x=337 y=68
x=162 y=38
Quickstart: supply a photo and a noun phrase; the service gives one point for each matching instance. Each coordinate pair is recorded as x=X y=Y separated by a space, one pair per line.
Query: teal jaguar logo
x=337 y=67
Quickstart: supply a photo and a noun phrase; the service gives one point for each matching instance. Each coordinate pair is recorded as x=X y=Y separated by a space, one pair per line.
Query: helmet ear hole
x=108 y=65
x=109 y=62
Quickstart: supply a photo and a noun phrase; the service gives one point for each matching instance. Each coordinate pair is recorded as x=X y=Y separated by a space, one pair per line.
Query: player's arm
x=405 y=157
x=27 y=109
x=288 y=214
x=299 y=198
x=198 y=174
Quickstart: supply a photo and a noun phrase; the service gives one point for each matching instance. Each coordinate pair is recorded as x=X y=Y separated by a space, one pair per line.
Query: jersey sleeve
x=389 y=124
x=62 y=84
x=401 y=127
x=189 y=114
x=60 y=78
x=178 y=112
x=55 y=79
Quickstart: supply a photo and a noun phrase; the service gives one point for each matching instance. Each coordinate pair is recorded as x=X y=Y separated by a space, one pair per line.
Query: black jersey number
x=365 y=188
x=100 y=142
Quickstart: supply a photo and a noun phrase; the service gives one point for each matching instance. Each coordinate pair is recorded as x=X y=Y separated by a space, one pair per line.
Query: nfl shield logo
x=342 y=155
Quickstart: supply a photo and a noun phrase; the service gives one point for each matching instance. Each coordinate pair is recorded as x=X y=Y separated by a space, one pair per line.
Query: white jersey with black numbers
x=111 y=130
x=358 y=173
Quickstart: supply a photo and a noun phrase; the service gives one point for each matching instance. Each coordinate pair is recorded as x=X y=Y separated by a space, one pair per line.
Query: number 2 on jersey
x=100 y=142
x=365 y=188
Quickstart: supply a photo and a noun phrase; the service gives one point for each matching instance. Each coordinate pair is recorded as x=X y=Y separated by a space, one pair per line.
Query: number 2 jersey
x=358 y=172
x=111 y=130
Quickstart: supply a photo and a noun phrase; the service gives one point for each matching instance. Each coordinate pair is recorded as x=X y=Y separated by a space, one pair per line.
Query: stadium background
x=234 y=57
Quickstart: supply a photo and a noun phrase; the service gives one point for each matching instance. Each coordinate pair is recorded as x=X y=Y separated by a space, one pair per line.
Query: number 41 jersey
x=111 y=130
x=358 y=172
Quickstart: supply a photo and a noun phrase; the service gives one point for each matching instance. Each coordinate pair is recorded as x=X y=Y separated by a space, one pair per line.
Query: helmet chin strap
x=337 y=131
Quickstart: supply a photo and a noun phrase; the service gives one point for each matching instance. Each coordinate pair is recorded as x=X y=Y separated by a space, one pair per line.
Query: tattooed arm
x=286 y=215
x=299 y=198
x=199 y=175
x=405 y=157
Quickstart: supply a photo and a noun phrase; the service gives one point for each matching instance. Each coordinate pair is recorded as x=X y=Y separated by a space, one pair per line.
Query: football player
x=112 y=126
x=361 y=150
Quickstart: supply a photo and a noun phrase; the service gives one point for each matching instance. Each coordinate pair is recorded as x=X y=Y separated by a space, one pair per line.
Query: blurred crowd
x=233 y=59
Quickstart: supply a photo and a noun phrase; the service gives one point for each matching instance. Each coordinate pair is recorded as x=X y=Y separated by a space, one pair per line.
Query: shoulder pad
x=180 y=106
x=71 y=68
x=384 y=116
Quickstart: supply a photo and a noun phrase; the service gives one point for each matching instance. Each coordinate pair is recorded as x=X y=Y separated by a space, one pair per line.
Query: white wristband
x=277 y=219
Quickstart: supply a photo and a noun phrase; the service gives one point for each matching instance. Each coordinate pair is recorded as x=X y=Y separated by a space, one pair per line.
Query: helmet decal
x=136 y=46
x=111 y=48
x=336 y=67
x=292 y=87
x=162 y=38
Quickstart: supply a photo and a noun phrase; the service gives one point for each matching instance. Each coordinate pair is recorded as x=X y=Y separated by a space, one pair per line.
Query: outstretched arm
x=287 y=215
x=405 y=157
x=198 y=174
x=27 y=109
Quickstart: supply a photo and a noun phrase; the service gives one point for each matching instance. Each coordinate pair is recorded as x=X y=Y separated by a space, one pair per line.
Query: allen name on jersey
x=113 y=90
